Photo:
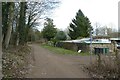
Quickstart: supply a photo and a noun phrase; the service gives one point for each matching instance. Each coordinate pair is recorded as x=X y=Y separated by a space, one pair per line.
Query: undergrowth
x=15 y=61
x=109 y=67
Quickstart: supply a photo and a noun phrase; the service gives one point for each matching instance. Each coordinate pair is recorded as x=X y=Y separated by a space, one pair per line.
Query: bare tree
x=9 y=29
x=22 y=23
x=97 y=25
x=20 y=17
x=37 y=11
x=5 y=13
x=1 y=42
x=0 y=29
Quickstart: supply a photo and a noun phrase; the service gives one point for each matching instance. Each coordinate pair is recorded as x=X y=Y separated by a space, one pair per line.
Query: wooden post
x=99 y=59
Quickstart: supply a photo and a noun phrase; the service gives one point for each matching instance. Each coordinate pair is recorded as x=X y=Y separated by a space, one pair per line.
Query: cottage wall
x=103 y=45
x=113 y=46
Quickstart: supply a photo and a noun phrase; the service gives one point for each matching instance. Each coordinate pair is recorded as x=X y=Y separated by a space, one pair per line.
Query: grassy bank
x=64 y=51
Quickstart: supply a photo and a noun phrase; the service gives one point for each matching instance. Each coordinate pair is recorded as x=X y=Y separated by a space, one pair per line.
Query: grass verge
x=63 y=51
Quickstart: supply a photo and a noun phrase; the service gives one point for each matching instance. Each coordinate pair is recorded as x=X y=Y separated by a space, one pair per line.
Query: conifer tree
x=80 y=26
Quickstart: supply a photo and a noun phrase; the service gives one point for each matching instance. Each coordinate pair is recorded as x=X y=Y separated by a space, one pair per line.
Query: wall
x=67 y=45
x=104 y=45
x=85 y=47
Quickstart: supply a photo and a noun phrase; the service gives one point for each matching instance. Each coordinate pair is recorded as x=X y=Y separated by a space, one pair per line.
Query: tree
x=49 y=31
x=97 y=25
x=22 y=25
x=5 y=11
x=38 y=10
x=19 y=18
x=102 y=31
x=9 y=28
x=113 y=33
x=61 y=35
x=105 y=31
x=1 y=41
x=34 y=35
x=0 y=32
x=80 y=26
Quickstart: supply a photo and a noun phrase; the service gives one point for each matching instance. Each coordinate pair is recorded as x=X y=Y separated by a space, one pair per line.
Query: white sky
x=105 y=12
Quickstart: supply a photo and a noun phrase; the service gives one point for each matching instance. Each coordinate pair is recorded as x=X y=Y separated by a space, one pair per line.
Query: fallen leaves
x=16 y=62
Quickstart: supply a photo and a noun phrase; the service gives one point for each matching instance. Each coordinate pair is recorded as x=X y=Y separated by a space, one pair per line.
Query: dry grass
x=108 y=68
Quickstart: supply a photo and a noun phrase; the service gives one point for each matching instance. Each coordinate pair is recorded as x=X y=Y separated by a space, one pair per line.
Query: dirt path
x=50 y=65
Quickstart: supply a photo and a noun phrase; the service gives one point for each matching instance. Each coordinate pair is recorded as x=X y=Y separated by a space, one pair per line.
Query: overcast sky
x=105 y=12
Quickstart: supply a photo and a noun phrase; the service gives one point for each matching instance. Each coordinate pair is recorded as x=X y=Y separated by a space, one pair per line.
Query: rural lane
x=50 y=65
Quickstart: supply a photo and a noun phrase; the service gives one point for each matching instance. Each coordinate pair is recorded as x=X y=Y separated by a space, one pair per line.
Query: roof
x=99 y=41
x=114 y=38
x=87 y=40
x=101 y=37
x=72 y=41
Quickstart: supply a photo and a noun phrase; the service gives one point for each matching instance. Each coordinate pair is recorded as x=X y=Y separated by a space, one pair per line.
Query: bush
x=60 y=35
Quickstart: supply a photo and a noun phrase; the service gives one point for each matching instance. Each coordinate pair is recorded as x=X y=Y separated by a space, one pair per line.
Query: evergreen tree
x=80 y=26
x=61 y=35
x=49 y=30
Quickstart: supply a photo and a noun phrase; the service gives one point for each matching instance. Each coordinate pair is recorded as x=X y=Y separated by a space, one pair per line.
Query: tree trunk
x=1 y=40
x=17 y=32
x=5 y=11
x=17 y=39
x=0 y=29
x=9 y=29
x=21 y=26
